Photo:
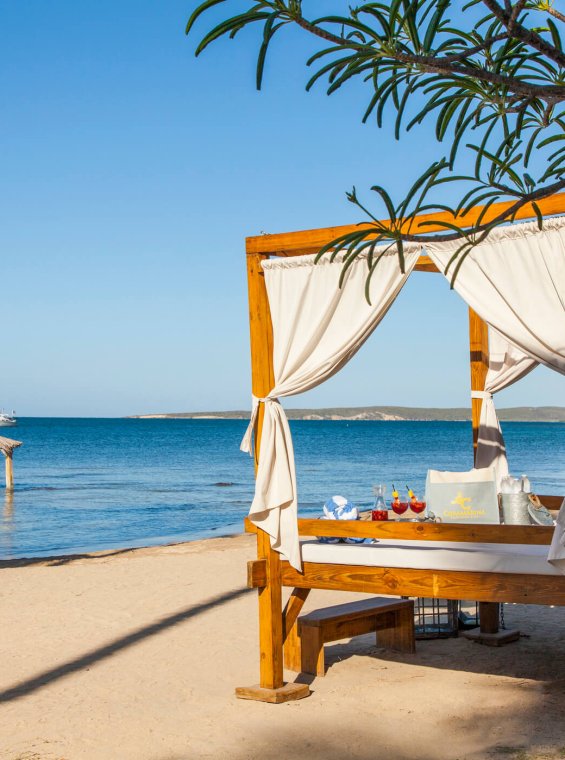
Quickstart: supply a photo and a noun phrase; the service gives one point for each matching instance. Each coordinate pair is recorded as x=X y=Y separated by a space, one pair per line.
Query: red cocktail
x=399 y=507
x=418 y=506
x=379 y=514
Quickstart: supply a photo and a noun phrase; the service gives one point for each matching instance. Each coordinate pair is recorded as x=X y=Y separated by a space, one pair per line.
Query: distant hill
x=512 y=414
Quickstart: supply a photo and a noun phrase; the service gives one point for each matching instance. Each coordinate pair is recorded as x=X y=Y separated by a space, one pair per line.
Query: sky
x=131 y=173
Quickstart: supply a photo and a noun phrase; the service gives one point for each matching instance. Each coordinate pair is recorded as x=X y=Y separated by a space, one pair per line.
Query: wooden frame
x=269 y=573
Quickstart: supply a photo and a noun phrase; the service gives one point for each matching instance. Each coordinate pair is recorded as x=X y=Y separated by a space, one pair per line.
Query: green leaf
x=198 y=11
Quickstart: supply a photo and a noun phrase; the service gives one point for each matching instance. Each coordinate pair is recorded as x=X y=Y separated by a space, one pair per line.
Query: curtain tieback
x=485 y=395
x=247 y=440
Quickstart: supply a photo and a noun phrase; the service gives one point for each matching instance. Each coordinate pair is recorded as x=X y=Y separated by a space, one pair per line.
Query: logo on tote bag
x=465 y=511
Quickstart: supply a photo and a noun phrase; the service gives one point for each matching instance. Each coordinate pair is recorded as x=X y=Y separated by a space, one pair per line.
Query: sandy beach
x=134 y=655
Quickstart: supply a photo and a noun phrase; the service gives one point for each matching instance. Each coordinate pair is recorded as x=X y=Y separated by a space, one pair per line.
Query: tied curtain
x=515 y=281
x=317 y=327
x=507 y=364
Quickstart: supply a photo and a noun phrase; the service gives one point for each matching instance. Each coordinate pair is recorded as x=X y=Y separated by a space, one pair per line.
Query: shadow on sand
x=31 y=685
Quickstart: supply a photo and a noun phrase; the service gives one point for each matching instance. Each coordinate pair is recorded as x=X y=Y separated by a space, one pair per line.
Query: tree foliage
x=491 y=78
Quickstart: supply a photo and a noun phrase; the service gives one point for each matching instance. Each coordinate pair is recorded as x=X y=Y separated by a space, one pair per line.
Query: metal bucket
x=515 y=508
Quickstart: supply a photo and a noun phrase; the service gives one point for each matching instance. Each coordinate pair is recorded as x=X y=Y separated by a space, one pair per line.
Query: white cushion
x=435 y=555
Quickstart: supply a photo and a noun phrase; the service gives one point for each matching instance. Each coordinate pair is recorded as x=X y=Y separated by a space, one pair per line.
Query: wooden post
x=489 y=612
x=271 y=687
x=9 y=472
x=478 y=344
x=8 y=506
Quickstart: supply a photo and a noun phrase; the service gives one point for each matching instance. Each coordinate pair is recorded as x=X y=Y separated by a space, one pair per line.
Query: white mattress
x=435 y=555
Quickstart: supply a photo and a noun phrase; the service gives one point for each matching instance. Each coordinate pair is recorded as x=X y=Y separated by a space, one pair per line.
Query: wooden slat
x=551 y=502
x=345 y=629
x=353 y=610
x=424 y=531
x=440 y=584
x=310 y=241
x=409 y=531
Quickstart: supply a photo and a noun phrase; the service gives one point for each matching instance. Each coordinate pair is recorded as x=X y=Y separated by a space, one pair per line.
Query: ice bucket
x=515 y=508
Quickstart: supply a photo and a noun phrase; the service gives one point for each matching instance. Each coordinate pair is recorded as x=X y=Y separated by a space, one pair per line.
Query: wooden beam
x=261 y=339
x=551 y=502
x=439 y=584
x=256 y=573
x=291 y=647
x=425 y=264
x=311 y=241
x=424 y=531
x=478 y=355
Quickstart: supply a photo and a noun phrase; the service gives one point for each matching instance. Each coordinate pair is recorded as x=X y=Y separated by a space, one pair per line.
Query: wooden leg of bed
x=489 y=615
x=270 y=618
x=489 y=632
x=271 y=687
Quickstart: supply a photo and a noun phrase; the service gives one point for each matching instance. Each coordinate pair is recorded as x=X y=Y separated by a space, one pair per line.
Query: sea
x=85 y=485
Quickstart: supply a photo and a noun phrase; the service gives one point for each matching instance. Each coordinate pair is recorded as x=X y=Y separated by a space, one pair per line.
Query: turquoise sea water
x=90 y=484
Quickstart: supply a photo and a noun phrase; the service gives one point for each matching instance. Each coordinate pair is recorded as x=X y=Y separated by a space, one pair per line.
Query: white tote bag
x=463 y=497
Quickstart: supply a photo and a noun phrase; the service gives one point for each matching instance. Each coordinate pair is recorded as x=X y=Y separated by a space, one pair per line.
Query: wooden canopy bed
x=269 y=573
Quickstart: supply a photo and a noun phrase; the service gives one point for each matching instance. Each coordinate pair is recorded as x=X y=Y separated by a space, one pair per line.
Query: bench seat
x=392 y=619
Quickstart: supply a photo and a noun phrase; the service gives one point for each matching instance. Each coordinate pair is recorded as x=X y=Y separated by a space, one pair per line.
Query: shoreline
x=19 y=562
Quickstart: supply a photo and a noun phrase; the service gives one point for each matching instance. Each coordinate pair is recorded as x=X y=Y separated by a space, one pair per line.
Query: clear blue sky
x=131 y=174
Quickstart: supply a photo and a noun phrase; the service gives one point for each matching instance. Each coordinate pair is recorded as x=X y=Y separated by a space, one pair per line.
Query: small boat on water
x=6 y=420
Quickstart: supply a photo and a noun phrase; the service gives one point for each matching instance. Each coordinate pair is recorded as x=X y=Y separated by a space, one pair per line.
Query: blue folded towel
x=339 y=508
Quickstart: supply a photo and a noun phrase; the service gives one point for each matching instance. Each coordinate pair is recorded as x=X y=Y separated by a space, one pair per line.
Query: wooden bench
x=392 y=619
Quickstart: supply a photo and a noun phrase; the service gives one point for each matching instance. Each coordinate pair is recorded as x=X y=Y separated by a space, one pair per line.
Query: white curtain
x=317 y=328
x=507 y=364
x=557 y=549
x=515 y=281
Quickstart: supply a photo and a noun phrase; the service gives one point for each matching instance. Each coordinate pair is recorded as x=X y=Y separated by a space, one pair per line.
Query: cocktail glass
x=399 y=507
x=418 y=507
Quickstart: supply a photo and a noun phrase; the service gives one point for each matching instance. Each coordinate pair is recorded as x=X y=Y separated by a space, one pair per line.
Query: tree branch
x=447 y=65
x=552 y=12
x=456 y=57
x=554 y=93
x=517 y=30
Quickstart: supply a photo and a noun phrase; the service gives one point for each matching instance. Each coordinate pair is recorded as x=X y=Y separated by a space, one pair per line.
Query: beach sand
x=134 y=655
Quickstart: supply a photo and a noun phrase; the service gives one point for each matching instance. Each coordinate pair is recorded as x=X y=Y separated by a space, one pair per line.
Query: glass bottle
x=380 y=509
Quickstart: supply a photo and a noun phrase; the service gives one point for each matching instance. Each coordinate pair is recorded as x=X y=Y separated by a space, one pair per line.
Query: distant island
x=386 y=413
